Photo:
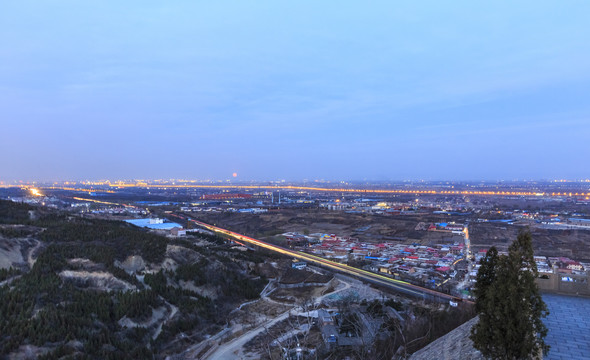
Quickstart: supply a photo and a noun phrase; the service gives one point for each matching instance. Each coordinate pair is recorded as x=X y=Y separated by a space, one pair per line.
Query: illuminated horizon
x=113 y=187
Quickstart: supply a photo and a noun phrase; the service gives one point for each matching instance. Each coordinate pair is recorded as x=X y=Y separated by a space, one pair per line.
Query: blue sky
x=294 y=90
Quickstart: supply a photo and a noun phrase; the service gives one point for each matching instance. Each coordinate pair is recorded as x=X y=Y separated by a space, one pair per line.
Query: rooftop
x=154 y=225
x=568 y=335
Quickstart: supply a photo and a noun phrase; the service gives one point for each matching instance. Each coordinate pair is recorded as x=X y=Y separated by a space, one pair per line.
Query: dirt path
x=233 y=349
x=173 y=312
x=30 y=259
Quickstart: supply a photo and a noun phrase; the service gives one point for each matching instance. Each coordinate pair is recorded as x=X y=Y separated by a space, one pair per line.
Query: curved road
x=231 y=349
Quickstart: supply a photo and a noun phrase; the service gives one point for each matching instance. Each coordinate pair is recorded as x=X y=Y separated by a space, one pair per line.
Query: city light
x=322 y=189
x=35 y=192
x=349 y=190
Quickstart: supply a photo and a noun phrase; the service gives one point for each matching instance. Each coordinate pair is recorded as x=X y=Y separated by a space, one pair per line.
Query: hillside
x=97 y=289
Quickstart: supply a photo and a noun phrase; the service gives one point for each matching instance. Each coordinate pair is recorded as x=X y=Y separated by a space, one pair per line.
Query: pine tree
x=509 y=305
x=485 y=276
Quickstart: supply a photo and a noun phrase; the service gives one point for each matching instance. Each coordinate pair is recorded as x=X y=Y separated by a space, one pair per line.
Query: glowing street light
x=35 y=192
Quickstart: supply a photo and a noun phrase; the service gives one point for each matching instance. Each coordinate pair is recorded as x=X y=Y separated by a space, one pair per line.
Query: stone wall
x=573 y=284
x=454 y=345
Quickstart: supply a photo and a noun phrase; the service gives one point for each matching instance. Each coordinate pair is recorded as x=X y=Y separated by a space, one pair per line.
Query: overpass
x=377 y=279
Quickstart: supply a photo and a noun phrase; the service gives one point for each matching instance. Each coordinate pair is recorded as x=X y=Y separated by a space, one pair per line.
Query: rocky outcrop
x=178 y=255
x=132 y=264
x=182 y=255
x=10 y=253
x=206 y=290
x=85 y=264
x=13 y=251
x=98 y=280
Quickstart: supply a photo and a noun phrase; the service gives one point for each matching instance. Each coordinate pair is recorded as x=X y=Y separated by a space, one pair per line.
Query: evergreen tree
x=485 y=276
x=509 y=305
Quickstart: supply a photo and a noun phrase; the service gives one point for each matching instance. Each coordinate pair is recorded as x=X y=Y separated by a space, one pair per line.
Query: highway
x=394 y=284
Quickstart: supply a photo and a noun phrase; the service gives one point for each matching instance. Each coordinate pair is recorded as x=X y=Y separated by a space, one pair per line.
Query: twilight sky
x=294 y=89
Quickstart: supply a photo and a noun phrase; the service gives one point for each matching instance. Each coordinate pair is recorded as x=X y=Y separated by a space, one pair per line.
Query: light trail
x=402 y=286
x=77 y=189
x=102 y=202
x=355 y=190
x=321 y=189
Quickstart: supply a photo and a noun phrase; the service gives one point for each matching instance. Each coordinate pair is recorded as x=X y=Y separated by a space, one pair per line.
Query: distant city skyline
x=266 y=90
x=97 y=183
